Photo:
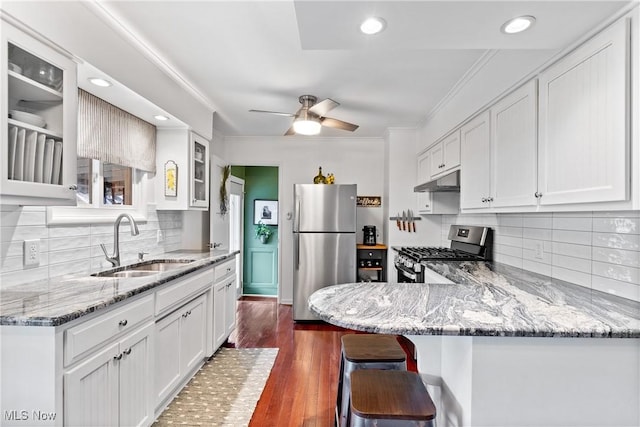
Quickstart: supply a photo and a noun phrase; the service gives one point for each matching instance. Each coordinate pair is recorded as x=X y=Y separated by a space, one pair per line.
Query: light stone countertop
x=487 y=299
x=64 y=298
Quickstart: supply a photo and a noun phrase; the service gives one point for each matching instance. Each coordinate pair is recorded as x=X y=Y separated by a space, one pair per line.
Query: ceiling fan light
x=307 y=126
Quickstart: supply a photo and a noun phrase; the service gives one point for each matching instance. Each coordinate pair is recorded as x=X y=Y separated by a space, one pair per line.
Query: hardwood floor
x=302 y=387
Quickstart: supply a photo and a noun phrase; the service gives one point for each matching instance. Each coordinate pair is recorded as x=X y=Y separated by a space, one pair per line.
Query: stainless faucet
x=115 y=258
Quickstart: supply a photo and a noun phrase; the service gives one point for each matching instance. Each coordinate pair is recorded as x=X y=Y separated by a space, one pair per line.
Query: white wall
x=402 y=177
x=352 y=160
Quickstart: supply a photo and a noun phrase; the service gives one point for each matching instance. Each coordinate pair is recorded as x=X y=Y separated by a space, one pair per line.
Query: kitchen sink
x=144 y=268
x=159 y=265
x=125 y=273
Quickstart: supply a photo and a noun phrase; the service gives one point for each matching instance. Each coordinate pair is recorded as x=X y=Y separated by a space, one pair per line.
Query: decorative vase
x=264 y=238
x=319 y=179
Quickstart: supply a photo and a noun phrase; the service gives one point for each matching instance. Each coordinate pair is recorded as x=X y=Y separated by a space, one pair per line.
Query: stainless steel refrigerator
x=324 y=239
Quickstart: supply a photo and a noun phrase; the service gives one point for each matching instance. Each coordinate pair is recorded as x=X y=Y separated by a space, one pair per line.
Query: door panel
x=323 y=259
x=325 y=208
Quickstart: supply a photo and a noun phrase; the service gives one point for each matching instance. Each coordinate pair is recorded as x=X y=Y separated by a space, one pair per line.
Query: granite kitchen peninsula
x=504 y=346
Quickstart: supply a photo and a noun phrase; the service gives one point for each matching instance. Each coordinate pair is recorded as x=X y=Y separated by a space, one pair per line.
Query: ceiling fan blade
x=338 y=124
x=323 y=107
x=273 y=112
x=290 y=132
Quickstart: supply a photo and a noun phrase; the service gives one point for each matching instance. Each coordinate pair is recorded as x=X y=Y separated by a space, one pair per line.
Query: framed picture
x=265 y=211
x=170 y=179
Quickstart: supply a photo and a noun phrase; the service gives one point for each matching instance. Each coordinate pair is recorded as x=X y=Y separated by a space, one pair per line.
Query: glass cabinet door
x=39 y=119
x=199 y=171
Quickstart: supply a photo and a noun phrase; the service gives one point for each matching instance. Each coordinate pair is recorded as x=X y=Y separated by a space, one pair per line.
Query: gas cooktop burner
x=437 y=253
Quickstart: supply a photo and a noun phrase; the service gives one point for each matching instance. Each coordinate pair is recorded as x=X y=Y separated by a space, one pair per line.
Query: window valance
x=110 y=134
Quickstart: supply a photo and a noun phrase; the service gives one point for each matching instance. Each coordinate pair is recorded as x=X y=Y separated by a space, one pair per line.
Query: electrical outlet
x=32 y=252
x=539 y=250
x=159 y=236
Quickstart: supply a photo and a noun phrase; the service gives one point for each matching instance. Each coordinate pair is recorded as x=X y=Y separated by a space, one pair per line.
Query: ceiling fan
x=311 y=117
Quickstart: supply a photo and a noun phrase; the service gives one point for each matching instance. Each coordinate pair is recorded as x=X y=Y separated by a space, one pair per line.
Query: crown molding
x=138 y=42
x=480 y=63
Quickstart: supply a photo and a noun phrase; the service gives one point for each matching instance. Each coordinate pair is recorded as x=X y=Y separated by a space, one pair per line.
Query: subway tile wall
x=71 y=249
x=597 y=250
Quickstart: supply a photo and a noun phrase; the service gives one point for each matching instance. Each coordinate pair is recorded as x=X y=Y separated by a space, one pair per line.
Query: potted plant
x=263 y=232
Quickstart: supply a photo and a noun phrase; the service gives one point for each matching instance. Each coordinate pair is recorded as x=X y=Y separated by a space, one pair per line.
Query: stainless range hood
x=450 y=182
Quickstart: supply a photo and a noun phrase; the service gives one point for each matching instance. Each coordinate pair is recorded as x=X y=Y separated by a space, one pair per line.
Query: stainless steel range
x=468 y=243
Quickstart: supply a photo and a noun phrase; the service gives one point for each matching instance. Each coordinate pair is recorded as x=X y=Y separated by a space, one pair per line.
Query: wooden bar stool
x=365 y=351
x=390 y=399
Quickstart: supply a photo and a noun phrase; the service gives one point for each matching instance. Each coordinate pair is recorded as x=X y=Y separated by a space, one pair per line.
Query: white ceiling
x=242 y=55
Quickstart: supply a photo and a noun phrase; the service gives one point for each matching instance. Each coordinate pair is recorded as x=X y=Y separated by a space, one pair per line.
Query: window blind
x=110 y=134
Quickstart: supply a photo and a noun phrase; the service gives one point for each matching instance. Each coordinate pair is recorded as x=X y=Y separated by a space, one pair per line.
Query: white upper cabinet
x=513 y=149
x=424 y=167
x=38 y=116
x=439 y=159
x=475 y=177
x=583 y=153
x=185 y=155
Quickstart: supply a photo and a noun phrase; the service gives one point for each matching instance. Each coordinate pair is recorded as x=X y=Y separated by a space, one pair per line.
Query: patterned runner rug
x=225 y=390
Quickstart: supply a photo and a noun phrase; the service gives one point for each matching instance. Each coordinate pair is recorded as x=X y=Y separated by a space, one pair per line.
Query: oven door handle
x=406 y=274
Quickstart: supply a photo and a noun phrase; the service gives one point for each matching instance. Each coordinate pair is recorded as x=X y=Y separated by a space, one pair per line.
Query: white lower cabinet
x=230 y=306
x=112 y=387
x=224 y=310
x=119 y=366
x=180 y=346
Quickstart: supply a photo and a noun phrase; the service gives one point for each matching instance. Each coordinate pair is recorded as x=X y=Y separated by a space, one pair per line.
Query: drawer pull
x=118 y=357
x=127 y=351
x=123 y=322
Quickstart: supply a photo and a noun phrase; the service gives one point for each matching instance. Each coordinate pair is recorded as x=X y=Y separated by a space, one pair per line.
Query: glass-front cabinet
x=199 y=171
x=39 y=107
x=182 y=166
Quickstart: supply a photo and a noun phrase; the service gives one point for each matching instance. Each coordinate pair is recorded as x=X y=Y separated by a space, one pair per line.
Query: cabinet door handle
x=118 y=357
x=123 y=322
x=538 y=195
x=490 y=199
x=127 y=351
x=73 y=187
x=484 y=200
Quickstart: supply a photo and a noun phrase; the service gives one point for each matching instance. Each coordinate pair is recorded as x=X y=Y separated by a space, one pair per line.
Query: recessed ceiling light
x=160 y=117
x=517 y=25
x=100 y=82
x=372 y=25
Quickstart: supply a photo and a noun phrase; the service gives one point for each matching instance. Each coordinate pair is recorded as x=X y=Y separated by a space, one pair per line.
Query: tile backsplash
x=598 y=250
x=68 y=249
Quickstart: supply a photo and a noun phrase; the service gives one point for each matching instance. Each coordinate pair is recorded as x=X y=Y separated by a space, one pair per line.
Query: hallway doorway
x=260 y=258
x=236 y=226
